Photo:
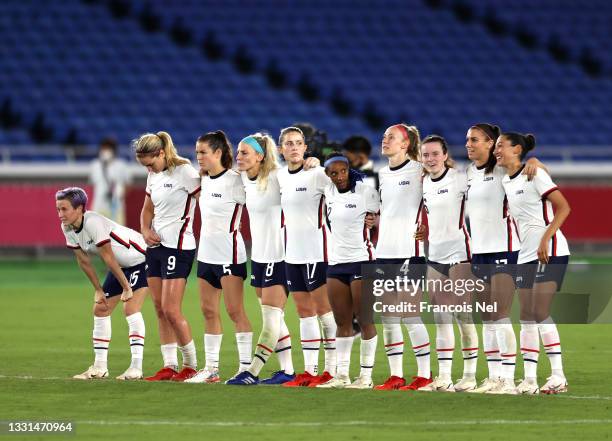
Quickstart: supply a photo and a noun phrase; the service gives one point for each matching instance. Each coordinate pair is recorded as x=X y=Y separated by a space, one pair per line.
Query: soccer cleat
x=131 y=374
x=206 y=375
x=487 y=385
x=320 y=379
x=92 y=373
x=504 y=386
x=185 y=374
x=164 y=374
x=417 y=383
x=465 y=385
x=361 y=382
x=441 y=384
x=278 y=377
x=392 y=383
x=528 y=387
x=244 y=378
x=338 y=382
x=554 y=385
x=300 y=380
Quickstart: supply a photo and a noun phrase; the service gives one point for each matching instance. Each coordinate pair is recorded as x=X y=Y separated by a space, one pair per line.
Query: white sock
x=506 y=338
x=343 y=349
x=311 y=341
x=419 y=337
x=170 y=356
x=552 y=345
x=367 y=355
x=136 y=326
x=101 y=339
x=244 y=341
x=490 y=347
x=267 y=339
x=530 y=348
x=469 y=343
x=212 y=347
x=445 y=343
x=283 y=348
x=189 y=355
x=328 y=324
x=394 y=345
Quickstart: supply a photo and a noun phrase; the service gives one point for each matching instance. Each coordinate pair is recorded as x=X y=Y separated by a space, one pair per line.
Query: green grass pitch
x=45 y=339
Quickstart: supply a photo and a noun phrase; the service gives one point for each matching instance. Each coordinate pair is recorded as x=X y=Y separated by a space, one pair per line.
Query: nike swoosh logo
x=170 y=273
x=267 y=280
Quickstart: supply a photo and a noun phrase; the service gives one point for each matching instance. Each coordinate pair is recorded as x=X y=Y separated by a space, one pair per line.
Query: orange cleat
x=320 y=379
x=417 y=383
x=164 y=374
x=393 y=383
x=184 y=374
x=300 y=380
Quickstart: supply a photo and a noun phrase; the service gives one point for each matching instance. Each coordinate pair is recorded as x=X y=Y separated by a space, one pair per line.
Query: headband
x=403 y=129
x=486 y=129
x=253 y=143
x=330 y=161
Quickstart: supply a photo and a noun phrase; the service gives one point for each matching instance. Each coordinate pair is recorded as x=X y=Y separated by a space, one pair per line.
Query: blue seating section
x=88 y=71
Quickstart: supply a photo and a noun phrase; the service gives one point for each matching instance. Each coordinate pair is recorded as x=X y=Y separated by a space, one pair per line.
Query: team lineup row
x=310 y=229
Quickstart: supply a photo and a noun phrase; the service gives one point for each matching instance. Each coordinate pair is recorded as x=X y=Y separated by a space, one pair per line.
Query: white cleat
x=505 y=386
x=528 y=387
x=487 y=385
x=131 y=374
x=93 y=373
x=466 y=385
x=440 y=384
x=206 y=375
x=361 y=383
x=338 y=382
x=554 y=385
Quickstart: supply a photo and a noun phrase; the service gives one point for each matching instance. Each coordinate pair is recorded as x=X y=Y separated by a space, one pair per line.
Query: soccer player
x=539 y=209
x=173 y=186
x=303 y=205
x=444 y=190
x=221 y=253
x=401 y=194
x=348 y=201
x=123 y=252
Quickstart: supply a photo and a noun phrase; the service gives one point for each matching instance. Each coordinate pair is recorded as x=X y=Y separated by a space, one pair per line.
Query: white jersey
x=96 y=230
x=401 y=206
x=492 y=229
x=444 y=199
x=346 y=211
x=303 y=203
x=265 y=219
x=173 y=196
x=221 y=202
x=533 y=212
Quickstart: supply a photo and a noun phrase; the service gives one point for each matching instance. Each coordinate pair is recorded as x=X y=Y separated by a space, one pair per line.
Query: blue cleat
x=278 y=377
x=244 y=378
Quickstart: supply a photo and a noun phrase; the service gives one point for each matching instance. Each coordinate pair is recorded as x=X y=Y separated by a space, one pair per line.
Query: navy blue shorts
x=136 y=275
x=486 y=265
x=213 y=273
x=169 y=263
x=347 y=272
x=535 y=272
x=264 y=275
x=413 y=268
x=305 y=276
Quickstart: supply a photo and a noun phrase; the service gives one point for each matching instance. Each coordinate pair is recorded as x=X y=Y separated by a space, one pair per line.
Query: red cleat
x=164 y=374
x=393 y=383
x=417 y=382
x=300 y=380
x=320 y=379
x=184 y=374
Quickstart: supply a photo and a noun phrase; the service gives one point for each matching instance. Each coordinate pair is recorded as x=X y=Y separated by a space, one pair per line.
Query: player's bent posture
x=166 y=223
x=349 y=200
x=123 y=252
x=401 y=206
x=258 y=162
x=221 y=253
x=539 y=209
x=444 y=191
x=303 y=204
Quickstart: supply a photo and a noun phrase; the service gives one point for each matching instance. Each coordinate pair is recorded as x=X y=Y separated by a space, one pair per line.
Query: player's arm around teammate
x=173 y=186
x=122 y=251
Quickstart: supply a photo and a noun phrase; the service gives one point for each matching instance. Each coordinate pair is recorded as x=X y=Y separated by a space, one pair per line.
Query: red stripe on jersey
x=461 y=213
x=187 y=206
x=234 y=216
x=547 y=221
x=417 y=221
x=194 y=192
x=444 y=350
x=505 y=207
x=545 y=211
x=282 y=218
x=103 y=242
x=137 y=247
x=516 y=228
x=469 y=349
x=284 y=338
x=324 y=244
x=552 y=344
x=367 y=242
x=101 y=339
x=390 y=345
x=321 y=205
x=182 y=233
x=491 y=352
x=509 y=229
x=311 y=341
x=118 y=239
x=421 y=346
x=536 y=351
x=285 y=240
x=545 y=195
x=72 y=247
x=135 y=336
x=265 y=347
x=467 y=244
x=235 y=247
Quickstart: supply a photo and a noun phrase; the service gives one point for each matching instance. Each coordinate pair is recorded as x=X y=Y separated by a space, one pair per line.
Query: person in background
x=358 y=150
